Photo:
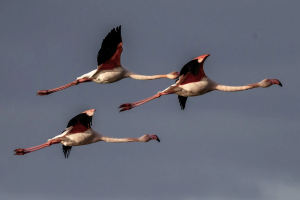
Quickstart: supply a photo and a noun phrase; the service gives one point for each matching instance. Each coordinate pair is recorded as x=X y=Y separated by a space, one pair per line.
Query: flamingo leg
x=128 y=106
x=76 y=82
x=35 y=148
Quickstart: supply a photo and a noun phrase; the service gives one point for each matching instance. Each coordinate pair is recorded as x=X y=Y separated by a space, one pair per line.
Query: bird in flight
x=109 y=68
x=79 y=132
x=194 y=82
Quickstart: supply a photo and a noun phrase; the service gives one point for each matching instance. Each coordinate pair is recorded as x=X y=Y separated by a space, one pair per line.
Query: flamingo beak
x=154 y=137
x=157 y=139
x=275 y=81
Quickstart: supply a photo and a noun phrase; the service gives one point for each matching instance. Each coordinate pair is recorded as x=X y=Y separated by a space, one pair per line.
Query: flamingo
x=194 y=82
x=79 y=132
x=109 y=68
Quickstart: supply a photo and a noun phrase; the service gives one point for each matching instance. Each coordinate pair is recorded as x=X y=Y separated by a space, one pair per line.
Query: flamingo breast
x=77 y=139
x=196 y=88
x=110 y=76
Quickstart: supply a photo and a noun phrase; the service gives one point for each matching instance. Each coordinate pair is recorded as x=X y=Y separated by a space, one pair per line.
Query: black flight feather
x=193 y=66
x=109 y=45
x=66 y=150
x=182 y=101
x=83 y=119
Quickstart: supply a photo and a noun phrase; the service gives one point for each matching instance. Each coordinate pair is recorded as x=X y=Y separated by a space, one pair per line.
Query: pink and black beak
x=275 y=81
x=158 y=139
x=154 y=137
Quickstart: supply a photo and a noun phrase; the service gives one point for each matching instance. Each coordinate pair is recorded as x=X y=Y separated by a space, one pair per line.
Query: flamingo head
x=147 y=138
x=268 y=82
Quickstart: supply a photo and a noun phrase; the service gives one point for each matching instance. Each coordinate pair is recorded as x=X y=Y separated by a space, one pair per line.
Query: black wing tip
x=182 y=101
x=114 y=34
x=192 y=67
x=116 y=29
x=83 y=119
x=66 y=151
x=109 y=45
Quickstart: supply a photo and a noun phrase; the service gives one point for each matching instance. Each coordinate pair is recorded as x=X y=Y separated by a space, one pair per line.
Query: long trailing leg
x=128 y=106
x=76 y=82
x=35 y=148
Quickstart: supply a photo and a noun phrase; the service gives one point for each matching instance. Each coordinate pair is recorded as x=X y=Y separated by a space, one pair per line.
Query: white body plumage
x=107 y=76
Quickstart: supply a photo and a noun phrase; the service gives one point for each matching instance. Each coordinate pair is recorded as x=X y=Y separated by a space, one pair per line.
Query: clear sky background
x=223 y=146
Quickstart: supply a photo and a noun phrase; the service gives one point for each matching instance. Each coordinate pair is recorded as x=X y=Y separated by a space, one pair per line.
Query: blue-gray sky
x=241 y=145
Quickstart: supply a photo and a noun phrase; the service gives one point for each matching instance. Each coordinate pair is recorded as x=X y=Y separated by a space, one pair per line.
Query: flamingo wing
x=193 y=70
x=66 y=150
x=182 y=101
x=77 y=124
x=80 y=123
x=109 y=54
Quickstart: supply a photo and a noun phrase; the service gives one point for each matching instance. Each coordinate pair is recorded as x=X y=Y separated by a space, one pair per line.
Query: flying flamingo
x=79 y=132
x=109 y=68
x=193 y=82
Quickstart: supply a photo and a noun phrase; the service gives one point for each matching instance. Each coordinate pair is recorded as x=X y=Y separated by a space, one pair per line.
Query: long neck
x=144 y=77
x=99 y=137
x=226 y=88
x=119 y=140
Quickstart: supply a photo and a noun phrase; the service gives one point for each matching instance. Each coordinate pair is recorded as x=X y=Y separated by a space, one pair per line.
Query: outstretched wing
x=110 y=52
x=77 y=124
x=182 y=101
x=66 y=150
x=193 y=70
x=80 y=123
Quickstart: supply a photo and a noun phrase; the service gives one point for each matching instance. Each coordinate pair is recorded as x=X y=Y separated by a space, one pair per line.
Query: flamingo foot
x=20 y=152
x=43 y=92
x=126 y=106
x=31 y=149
